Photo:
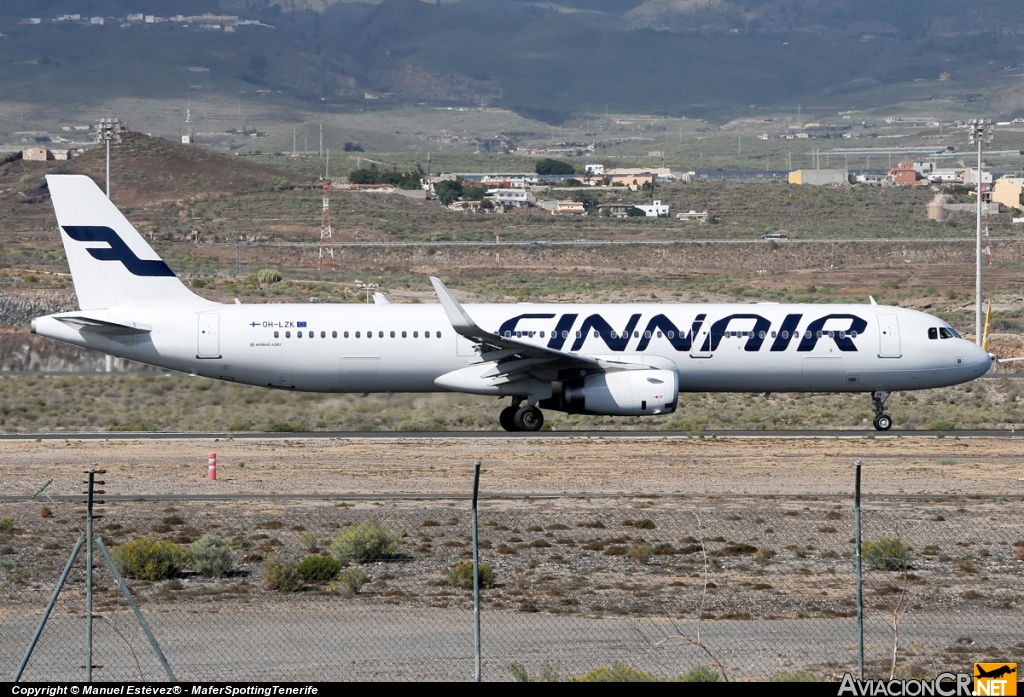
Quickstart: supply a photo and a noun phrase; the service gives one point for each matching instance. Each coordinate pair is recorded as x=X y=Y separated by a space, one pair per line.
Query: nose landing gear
x=882 y=422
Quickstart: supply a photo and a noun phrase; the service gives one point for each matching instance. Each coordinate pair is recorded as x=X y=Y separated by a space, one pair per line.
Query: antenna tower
x=326 y=254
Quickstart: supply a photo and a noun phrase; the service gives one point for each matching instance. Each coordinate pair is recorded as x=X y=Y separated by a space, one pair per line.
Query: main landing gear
x=521 y=418
x=882 y=421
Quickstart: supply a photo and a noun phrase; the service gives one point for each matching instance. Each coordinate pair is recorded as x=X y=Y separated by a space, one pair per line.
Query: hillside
x=707 y=58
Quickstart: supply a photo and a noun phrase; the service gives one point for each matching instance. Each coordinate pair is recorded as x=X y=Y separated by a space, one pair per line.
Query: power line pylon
x=326 y=254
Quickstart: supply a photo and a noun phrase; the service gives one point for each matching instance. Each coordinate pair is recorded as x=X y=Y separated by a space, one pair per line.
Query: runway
x=544 y=435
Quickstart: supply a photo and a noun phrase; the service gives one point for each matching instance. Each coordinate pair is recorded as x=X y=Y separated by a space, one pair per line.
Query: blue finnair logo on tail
x=118 y=250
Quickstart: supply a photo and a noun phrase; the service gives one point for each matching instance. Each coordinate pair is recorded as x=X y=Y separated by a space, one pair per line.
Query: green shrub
x=887 y=554
x=281 y=574
x=701 y=673
x=795 y=676
x=368 y=541
x=352 y=581
x=618 y=674
x=211 y=556
x=318 y=568
x=268 y=276
x=150 y=559
x=6 y=524
x=461 y=575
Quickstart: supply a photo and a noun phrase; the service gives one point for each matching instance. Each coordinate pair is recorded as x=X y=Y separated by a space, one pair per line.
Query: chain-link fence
x=754 y=586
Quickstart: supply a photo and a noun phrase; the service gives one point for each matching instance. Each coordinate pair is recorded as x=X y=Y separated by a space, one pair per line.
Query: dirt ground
x=444 y=465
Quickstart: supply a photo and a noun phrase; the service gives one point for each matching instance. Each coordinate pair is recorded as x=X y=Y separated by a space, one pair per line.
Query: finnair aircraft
x=619 y=360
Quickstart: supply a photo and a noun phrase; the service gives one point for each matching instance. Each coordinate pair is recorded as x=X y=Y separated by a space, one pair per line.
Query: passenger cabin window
x=426 y=335
x=415 y=335
x=298 y=335
x=276 y=334
x=287 y=335
x=334 y=335
x=323 y=335
x=403 y=335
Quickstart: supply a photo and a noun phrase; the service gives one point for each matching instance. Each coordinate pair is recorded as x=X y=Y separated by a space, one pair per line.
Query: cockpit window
x=947 y=333
x=933 y=333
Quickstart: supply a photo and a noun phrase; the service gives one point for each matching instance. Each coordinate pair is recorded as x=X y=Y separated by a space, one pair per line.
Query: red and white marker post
x=211 y=469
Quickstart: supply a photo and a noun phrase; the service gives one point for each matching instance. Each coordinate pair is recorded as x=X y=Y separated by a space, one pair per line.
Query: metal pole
x=88 y=576
x=108 y=167
x=49 y=609
x=977 y=279
x=135 y=608
x=860 y=576
x=476 y=571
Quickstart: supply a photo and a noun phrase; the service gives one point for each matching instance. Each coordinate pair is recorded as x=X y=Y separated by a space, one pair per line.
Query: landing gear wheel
x=883 y=422
x=507 y=419
x=529 y=419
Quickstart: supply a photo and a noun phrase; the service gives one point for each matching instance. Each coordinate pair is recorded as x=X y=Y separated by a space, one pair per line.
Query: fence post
x=860 y=575
x=476 y=571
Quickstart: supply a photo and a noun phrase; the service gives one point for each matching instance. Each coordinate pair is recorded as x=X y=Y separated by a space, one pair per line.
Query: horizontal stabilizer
x=99 y=326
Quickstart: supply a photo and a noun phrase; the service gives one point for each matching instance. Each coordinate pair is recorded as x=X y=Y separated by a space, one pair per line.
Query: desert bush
x=461 y=575
x=6 y=524
x=281 y=574
x=352 y=581
x=617 y=674
x=211 y=556
x=318 y=568
x=886 y=554
x=268 y=276
x=640 y=552
x=150 y=559
x=795 y=676
x=701 y=673
x=368 y=541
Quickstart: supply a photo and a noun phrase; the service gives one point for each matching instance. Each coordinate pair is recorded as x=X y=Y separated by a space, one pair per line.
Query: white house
x=517 y=198
x=595 y=170
x=654 y=210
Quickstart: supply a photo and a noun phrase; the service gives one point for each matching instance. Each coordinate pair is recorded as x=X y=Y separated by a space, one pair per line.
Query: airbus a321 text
x=620 y=360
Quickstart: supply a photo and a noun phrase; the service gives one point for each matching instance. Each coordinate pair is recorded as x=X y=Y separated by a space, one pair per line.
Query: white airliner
x=621 y=360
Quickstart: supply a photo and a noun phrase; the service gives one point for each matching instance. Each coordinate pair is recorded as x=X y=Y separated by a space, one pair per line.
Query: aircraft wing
x=516 y=359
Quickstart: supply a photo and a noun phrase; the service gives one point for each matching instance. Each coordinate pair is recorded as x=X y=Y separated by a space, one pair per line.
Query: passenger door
x=888 y=336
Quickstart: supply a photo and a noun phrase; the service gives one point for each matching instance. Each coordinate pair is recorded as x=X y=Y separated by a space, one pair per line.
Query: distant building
x=516 y=198
x=1009 y=191
x=971 y=176
x=570 y=208
x=905 y=174
x=701 y=216
x=654 y=210
x=595 y=170
x=35 y=154
x=818 y=177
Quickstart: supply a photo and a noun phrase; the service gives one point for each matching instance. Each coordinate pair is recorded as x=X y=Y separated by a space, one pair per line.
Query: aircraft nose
x=979 y=360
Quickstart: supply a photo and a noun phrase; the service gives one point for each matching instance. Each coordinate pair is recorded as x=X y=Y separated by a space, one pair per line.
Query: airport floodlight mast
x=369 y=288
x=109 y=129
x=979 y=132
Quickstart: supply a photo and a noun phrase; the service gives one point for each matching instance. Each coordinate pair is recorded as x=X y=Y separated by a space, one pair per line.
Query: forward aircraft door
x=209 y=335
x=888 y=336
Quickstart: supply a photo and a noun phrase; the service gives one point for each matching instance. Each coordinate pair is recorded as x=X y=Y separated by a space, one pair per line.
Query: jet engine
x=621 y=393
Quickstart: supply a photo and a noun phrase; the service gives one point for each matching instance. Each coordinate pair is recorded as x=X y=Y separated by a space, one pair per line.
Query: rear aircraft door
x=209 y=335
x=888 y=336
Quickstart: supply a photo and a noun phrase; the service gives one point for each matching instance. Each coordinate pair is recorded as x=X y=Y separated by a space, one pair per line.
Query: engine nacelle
x=623 y=393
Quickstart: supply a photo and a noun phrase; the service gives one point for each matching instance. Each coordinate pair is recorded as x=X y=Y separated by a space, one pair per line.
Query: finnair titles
x=614 y=359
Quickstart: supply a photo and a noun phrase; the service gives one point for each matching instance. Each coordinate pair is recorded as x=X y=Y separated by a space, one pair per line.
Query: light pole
x=109 y=129
x=368 y=287
x=979 y=131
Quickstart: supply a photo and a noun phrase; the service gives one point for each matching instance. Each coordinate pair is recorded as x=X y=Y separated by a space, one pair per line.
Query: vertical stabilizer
x=110 y=262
